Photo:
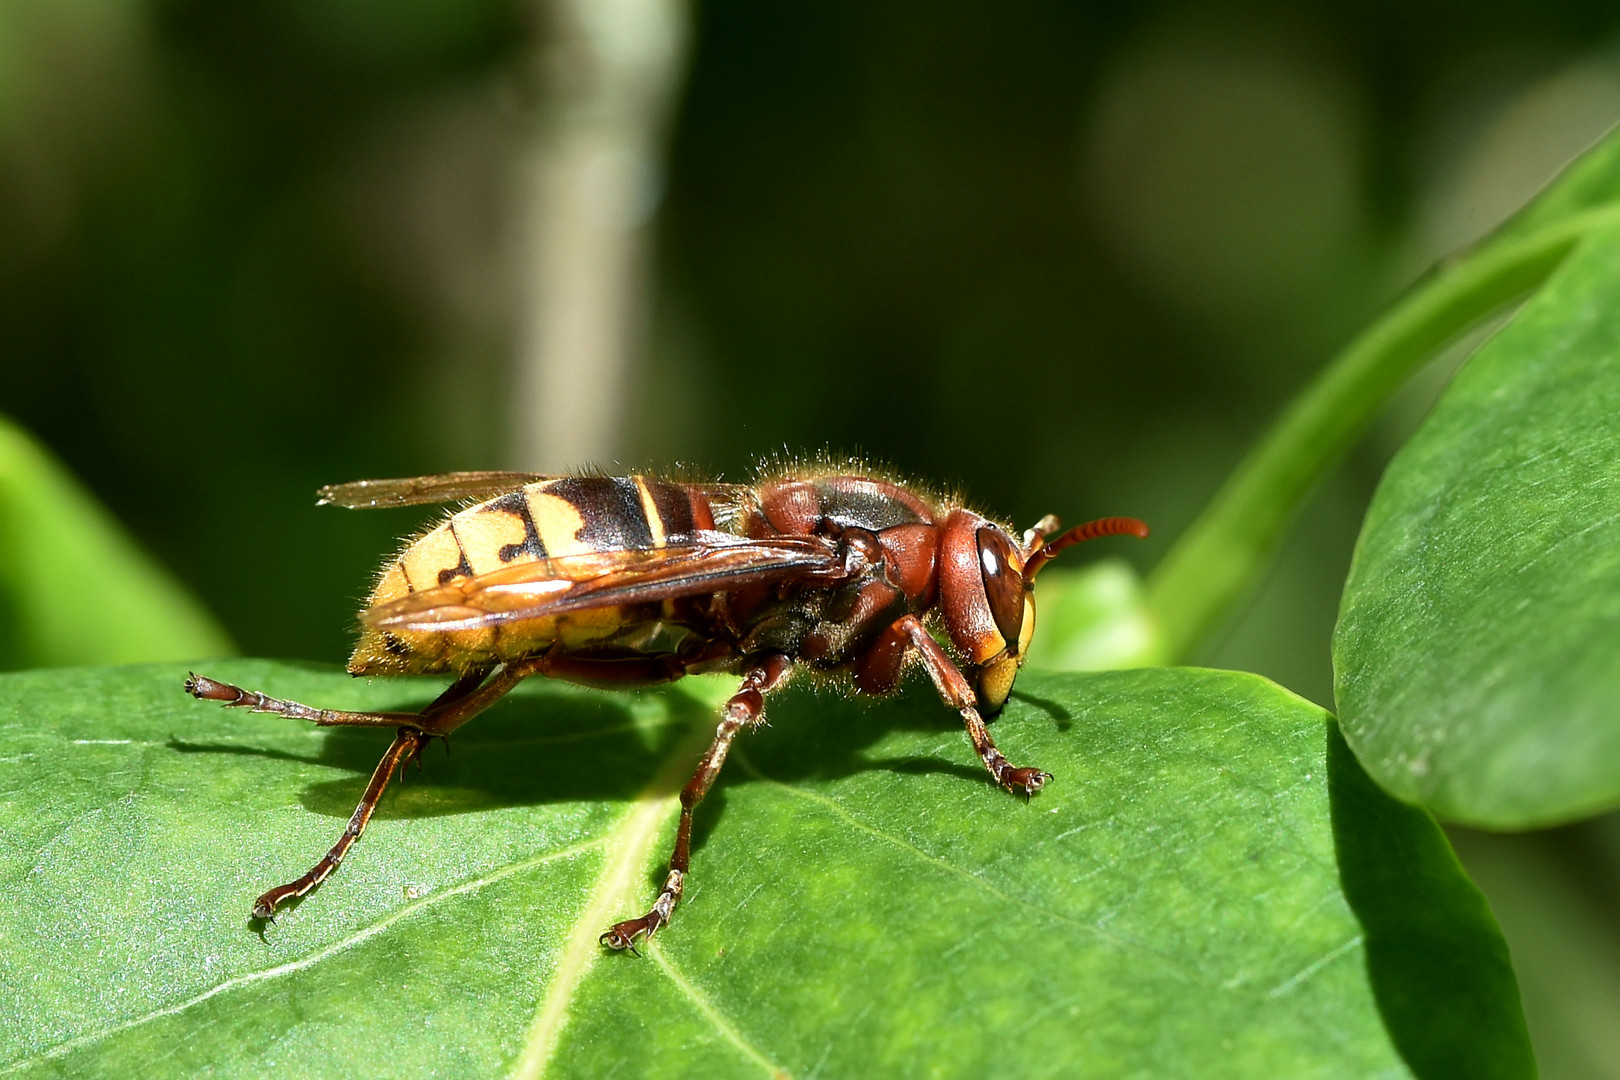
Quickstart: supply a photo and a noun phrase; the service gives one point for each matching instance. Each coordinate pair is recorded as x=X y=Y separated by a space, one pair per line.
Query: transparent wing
x=416 y=490
x=456 y=486
x=715 y=562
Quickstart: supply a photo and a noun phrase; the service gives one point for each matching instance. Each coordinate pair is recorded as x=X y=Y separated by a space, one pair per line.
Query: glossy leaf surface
x=1477 y=655
x=1210 y=887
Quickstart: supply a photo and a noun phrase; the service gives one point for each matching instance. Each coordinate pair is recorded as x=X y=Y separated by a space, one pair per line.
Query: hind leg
x=466 y=697
x=406 y=745
x=430 y=720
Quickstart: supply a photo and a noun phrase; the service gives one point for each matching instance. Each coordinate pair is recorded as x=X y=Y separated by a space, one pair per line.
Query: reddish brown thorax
x=906 y=555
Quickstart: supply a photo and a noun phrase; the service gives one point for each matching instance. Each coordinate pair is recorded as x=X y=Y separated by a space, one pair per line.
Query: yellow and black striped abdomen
x=534 y=524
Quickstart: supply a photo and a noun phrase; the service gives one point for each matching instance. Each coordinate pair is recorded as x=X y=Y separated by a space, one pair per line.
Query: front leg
x=954 y=689
x=745 y=709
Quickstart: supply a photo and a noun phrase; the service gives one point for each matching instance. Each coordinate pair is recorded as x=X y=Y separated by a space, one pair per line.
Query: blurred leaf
x=74 y=587
x=1217 y=559
x=1095 y=619
x=1477 y=655
x=1210 y=887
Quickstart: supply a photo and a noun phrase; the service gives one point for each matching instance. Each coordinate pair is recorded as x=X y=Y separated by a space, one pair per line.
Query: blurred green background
x=1069 y=257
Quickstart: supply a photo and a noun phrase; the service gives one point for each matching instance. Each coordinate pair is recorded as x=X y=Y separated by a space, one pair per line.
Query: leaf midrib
x=614 y=891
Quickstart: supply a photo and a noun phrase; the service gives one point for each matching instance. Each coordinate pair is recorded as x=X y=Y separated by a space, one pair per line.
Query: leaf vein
x=943 y=864
x=631 y=839
x=714 y=1016
x=90 y=1039
x=1293 y=982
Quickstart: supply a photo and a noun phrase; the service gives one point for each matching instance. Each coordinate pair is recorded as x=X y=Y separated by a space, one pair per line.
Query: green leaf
x=1210 y=887
x=1477 y=655
x=74 y=586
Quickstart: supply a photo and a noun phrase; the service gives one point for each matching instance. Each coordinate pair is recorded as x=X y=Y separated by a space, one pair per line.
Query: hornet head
x=985 y=593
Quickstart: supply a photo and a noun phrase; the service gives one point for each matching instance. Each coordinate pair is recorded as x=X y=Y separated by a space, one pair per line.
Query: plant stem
x=608 y=73
x=1213 y=564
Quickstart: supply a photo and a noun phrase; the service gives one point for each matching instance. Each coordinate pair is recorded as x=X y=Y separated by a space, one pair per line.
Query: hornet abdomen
x=538 y=523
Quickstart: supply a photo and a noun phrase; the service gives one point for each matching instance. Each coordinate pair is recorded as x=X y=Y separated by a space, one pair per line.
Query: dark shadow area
x=180 y=746
x=554 y=743
x=544 y=743
x=704 y=820
x=1438 y=964
x=818 y=732
x=1060 y=716
x=930 y=766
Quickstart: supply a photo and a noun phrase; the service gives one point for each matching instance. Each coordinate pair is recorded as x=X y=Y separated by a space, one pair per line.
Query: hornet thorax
x=888 y=539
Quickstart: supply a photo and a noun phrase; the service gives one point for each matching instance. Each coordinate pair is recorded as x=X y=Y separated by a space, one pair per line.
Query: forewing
x=456 y=486
x=716 y=562
x=416 y=490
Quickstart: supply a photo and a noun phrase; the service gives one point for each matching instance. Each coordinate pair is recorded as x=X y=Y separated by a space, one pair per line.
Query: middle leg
x=745 y=709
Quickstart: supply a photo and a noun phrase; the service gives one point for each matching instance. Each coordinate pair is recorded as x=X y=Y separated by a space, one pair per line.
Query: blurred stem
x=591 y=176
x=1214 y=563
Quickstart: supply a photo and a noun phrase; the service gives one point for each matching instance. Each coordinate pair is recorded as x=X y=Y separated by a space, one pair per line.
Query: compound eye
x=1003 y=581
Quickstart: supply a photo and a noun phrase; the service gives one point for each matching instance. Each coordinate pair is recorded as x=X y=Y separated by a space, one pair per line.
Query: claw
x=1025 y=781
x=623 y=935
x=203 y=688
x=415 y=755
